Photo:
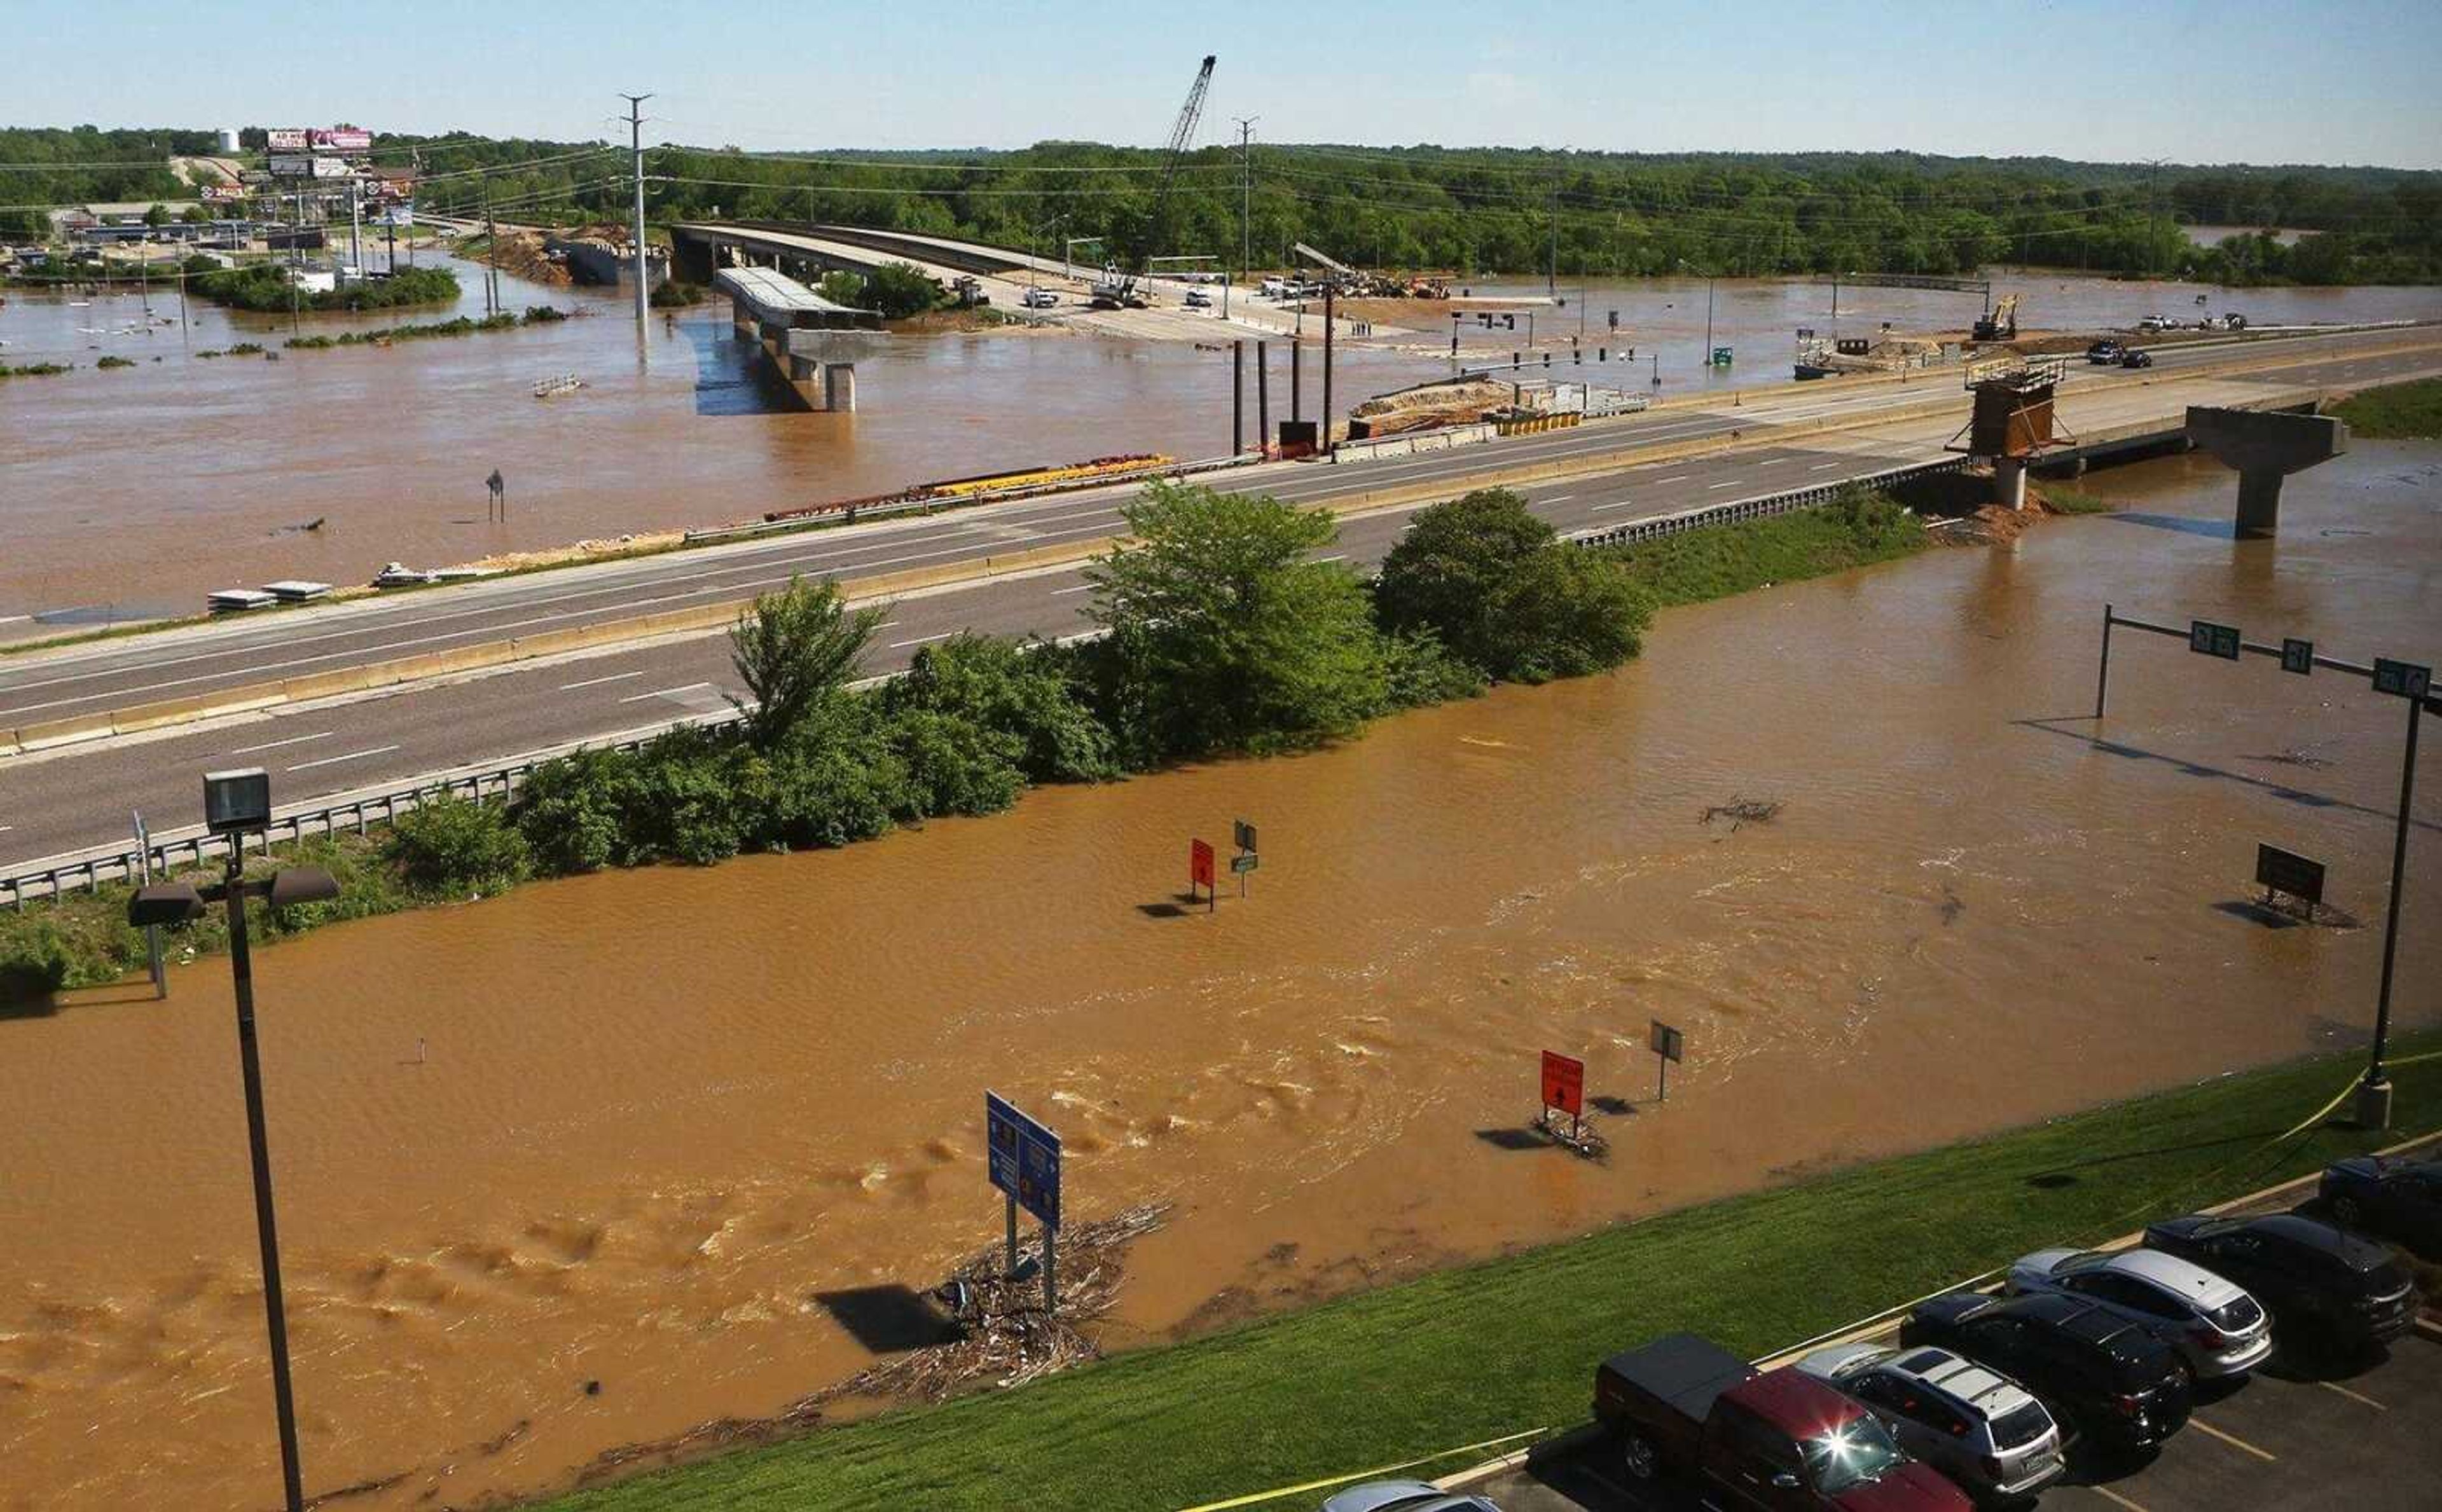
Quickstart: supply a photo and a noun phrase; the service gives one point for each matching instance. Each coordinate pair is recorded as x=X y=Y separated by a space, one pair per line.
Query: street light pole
x=258 y=1149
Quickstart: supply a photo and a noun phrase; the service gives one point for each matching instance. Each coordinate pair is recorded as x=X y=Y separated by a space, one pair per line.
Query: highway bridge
x=368 y=692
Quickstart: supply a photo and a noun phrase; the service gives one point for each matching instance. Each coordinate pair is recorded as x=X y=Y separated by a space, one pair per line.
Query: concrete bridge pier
x=2010 y=482
x=2265 y=446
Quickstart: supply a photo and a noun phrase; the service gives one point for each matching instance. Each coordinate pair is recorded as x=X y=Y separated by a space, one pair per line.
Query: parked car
x=2216 y=1327
x=2321 y=1283
x=2111 y=1381
x=2158 y=323
x=1042 y=300
x=2399 y=1200
x=2136 y=358
x=1775 y=1441
x=1198 y=300
x=1979 y=1427
x=1274 y=289
x=2105 y=352
x=1404 y=1495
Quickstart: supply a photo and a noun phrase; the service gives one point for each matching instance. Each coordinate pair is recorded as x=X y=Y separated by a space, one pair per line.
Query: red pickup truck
x=1753 y=1441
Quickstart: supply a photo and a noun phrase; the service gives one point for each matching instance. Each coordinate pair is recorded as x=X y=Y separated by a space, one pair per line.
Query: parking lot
x=2285 y=1438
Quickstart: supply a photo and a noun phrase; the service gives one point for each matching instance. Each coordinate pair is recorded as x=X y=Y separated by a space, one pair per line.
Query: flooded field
x=647 y=1130
x=133 y=493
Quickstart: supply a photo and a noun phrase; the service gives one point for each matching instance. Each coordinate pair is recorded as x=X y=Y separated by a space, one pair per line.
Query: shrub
x=1503 y=593
x=1025 y=690
x=956 y=766
x=115 y=363
x=452 y=847
x=572 y=810
x=836 y=781
x=34 y=961
x=793 y=649
x=1421 y=672
x=675 y=294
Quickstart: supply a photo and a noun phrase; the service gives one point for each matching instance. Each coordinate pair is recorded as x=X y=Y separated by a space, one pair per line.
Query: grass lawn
x=1471 y=1354
x=2402 y=411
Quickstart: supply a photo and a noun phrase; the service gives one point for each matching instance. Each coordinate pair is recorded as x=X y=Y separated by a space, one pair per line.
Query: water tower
x=229 y=140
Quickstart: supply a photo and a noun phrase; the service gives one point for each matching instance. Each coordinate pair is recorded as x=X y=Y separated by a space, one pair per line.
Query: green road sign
x=1242 y=864
x=2298 y=656
x=2402 y=679
x=2205 y=638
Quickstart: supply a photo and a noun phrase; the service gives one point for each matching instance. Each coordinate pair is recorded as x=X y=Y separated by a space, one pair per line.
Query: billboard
x=400 y=213
x=223 y=192
x=342 y=139
x=285 y=165
x=285 y=139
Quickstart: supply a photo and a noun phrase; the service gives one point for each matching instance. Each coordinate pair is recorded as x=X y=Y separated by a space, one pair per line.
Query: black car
x=2104 y=351
x=2135 y=359
x=2399 y=1200
x=2322 y=1285
x=2108 y=1379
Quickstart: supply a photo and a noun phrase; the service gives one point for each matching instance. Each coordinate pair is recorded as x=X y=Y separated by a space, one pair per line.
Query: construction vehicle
x=1114 y=289
x=2000 y=323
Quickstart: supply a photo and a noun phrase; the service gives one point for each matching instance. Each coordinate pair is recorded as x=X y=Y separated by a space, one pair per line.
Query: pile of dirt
x=523 y=254
x=1450 y=402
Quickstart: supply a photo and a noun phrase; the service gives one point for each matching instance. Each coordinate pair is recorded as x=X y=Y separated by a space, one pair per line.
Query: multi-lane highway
x=73 y=796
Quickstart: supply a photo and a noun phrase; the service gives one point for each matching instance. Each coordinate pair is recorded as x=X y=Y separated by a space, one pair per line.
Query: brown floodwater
x=643 y=1128
x=135 y=492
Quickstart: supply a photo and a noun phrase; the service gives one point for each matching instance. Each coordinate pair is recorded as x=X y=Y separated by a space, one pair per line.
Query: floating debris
x=1741 y=810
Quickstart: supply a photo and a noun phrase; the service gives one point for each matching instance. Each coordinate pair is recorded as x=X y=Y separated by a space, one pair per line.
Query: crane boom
x=1115 y=288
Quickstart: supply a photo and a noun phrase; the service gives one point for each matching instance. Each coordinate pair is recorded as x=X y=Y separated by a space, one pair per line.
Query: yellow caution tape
x=1359 y=1475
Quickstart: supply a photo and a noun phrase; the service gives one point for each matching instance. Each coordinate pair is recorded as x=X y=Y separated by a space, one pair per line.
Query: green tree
x=900 y=290
x=157 y=216
x=1224 y=636
x=793 y=649
x=1501 y=592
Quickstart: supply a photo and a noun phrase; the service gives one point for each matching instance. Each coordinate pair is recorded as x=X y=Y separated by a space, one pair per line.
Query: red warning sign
x=1564 y=1083
x=1199 y=864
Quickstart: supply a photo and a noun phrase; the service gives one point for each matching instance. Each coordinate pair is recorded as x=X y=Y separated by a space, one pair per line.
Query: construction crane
x=1120 y=289
x=1325 y=260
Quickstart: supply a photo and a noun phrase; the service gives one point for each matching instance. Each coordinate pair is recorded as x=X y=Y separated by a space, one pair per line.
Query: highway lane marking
x=639 y=698
x=2353 y=1396
x=919 y=640
x=1674 y=477
x=1616 y=503
x=1556 y=499
x=1771 y=461
x=1079 y=589
x=598 y=681
x=274 y=745
x=2109 y=1495
x=1821 y=465
x=352 y=755
x=1341 y=557
x=1732 y=484
x=2231 y=1439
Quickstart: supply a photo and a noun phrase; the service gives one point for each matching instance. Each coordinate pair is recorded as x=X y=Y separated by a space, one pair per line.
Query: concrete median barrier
x=64 y=732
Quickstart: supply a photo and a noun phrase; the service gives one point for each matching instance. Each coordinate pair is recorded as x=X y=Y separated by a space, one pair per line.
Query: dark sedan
x=2322 y=1285
x=2399 y=1201
x=2116 y=1385
x=2135 y=359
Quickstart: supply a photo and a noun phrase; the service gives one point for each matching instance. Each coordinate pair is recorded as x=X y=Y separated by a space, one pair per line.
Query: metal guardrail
x=1757 y=507
x=88 y=869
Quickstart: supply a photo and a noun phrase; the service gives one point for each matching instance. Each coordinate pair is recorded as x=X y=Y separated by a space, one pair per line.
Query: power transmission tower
x=636 y=146
x=1246 y=190
x=1552 y=280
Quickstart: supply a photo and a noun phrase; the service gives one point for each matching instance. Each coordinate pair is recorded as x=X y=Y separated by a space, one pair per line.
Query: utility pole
x=2154 y=212
x=357 y=226
x=491 y=252
x=1552 y=280
x=2374 y=1093
x=636 y=145
x=1246 y=191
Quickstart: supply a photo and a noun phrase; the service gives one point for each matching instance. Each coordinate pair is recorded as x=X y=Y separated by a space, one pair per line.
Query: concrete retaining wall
x=1442 y=439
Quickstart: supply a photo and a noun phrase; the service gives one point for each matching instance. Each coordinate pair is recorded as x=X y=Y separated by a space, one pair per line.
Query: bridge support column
x=2264 y=448
x=804 y=376
x=2010 y=482
x=839 y=388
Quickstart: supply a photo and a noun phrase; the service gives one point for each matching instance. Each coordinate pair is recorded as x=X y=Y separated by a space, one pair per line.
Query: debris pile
x=1449 y=402
x=1741 y=810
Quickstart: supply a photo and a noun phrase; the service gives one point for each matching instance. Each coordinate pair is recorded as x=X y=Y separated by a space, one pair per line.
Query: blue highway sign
x=1024 y=1159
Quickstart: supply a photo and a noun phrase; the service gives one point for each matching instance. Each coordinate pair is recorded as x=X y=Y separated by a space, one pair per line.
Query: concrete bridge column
x=804 y=376
x=2264 y=448
x=2010 y=482
x=839 y=388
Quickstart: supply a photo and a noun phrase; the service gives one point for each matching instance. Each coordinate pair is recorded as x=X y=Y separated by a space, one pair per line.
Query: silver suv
x=1973 y=1424
x=2214 y=1326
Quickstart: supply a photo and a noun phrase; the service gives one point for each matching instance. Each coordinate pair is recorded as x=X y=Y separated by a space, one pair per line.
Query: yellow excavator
x=2000 y=323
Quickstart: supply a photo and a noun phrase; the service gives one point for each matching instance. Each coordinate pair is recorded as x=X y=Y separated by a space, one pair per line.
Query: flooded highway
x=648 y=1130
x=132 y=492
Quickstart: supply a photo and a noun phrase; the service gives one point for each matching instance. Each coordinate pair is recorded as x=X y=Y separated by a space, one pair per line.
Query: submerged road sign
x=2279 y=871
x=1668 y=1044
x=1244 y=834
x=1024 y=1159
x=1564 y=1083
x=2205 y=638
x=2298 y=656
x=2404 y=680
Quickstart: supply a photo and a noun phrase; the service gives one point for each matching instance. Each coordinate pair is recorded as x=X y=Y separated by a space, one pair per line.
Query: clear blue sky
x=2196 y=80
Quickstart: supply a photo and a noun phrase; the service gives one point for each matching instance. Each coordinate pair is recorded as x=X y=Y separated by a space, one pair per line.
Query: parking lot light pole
x=2374 y=1093
x=236 y=804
